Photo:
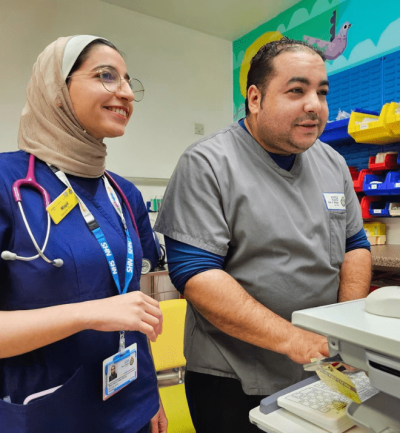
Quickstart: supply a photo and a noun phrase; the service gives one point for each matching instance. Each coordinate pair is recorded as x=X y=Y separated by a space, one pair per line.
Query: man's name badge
x=62 y=205
x=119 y=371
x=335 y=201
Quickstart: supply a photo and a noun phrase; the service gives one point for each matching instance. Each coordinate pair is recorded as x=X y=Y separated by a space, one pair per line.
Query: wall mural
x=350 y=32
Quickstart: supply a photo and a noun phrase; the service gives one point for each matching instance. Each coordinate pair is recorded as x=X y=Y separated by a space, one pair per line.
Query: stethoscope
x=30 y=181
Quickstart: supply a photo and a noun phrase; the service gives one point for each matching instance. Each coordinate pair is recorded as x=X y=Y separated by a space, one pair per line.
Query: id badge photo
x=119 y=371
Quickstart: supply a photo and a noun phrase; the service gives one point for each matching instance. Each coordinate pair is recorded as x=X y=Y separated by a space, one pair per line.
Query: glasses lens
x=137 y=89
x=110 y=79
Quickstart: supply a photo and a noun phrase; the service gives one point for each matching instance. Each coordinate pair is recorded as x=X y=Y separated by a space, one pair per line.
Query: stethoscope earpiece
x=8 y=255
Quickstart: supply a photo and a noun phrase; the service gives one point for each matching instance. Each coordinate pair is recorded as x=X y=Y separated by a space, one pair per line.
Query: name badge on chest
x=335 y=201
x=119 y=371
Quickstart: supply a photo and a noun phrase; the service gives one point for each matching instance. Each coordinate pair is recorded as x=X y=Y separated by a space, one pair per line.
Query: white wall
x=187 y=76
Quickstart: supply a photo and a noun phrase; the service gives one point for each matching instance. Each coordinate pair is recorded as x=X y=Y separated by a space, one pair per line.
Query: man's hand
x=304 y=345
x=159 y=422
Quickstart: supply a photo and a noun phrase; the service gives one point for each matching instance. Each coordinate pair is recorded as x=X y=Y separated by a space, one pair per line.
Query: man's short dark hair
x=262 y=66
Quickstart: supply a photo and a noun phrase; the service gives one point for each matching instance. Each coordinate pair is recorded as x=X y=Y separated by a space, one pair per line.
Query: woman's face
x=99 y=111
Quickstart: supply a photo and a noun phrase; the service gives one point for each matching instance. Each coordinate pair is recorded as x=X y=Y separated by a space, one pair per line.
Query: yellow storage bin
x=393 y=118
x=374 y=132
x=375 y=229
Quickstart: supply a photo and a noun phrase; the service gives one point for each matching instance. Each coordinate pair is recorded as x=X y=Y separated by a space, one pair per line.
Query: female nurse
x=61 y=325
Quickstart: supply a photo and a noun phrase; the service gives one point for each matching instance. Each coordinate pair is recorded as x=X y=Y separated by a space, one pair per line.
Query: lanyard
x=94 y=227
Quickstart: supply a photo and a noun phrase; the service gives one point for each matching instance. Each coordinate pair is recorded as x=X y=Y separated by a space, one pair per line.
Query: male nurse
x=261 y=219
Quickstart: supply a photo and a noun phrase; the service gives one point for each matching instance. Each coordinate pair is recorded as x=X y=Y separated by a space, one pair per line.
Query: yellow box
x=375 y=229
x=377 y=240
x=375 y=132
x=393 y=119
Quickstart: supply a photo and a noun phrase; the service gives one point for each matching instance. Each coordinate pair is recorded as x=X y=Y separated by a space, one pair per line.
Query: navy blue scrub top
x=75 y=362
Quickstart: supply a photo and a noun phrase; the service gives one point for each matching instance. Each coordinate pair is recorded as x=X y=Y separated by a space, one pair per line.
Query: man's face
x=294 y=111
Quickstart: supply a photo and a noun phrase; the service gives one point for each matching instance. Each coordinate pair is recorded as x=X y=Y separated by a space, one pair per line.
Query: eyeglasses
x=112 y=82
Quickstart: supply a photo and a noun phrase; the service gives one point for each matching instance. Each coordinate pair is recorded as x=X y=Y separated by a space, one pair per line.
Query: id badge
x=119 y=371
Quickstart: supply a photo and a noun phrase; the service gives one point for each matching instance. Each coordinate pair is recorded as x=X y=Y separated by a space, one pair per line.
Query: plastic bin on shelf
x=337 y=133
x=384 y=161
x=376 y=232
x=374 y=132
x=381 y=185
x=358 y=179
x=374 y=184
x=379 y=208
x=374 y=228
x=393 y=118
x=354 y=173
x=365 y=204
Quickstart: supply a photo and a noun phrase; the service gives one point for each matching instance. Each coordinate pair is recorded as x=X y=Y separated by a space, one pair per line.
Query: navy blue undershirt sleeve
x=186 y=261
x=359 y=240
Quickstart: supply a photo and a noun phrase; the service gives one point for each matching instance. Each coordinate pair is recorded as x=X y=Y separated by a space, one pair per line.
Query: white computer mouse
x=384 y=302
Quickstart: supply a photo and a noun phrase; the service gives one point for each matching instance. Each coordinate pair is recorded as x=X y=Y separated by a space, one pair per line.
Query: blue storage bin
x=390 y=184
x=379 y=208
x=336 y=133
x=371 y=188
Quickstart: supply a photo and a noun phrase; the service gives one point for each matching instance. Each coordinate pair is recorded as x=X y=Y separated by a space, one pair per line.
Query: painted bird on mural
x=337 y=44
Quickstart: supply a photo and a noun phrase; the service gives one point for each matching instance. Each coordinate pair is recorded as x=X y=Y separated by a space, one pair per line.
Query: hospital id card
x=119 y=371
x=335 y=201
x=62 y=205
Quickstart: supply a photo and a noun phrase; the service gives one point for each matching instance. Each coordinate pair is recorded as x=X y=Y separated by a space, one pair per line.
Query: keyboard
x=323 y=407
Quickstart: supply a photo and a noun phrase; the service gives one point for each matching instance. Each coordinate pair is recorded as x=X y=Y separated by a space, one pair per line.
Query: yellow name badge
x=62 y=205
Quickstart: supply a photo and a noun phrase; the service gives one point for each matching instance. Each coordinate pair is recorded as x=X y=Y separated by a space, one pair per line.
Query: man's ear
x=254 y=99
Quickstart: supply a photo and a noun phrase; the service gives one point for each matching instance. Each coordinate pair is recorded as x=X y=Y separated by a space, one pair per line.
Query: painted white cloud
x=319 y=7
x=237 y=59
x=340 y=62
x=299 y=17
x=281 y=28
x=390 y=38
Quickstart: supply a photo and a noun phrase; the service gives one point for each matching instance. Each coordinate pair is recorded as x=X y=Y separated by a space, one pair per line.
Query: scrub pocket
x=63 y=411
x=337 y=227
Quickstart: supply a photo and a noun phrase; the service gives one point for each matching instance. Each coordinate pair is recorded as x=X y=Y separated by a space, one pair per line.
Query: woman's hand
x=27 y=330
x=159 y=422
x=133 y=311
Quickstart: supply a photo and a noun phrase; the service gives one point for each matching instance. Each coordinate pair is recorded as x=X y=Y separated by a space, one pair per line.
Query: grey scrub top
x=283 y=235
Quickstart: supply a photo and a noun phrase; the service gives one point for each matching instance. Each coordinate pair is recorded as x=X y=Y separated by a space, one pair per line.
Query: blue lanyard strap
x=94 y=227
x=111 y=261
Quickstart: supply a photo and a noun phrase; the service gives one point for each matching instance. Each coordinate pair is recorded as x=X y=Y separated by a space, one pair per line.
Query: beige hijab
x=49 y=128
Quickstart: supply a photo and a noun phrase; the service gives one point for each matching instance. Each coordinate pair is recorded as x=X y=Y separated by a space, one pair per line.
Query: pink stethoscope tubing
x=30 y=181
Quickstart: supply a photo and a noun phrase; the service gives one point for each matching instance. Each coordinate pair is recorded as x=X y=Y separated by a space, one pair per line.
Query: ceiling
x=226 y=19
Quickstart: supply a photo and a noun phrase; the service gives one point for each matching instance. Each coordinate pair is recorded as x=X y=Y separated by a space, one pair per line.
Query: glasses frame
x=120 y=81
